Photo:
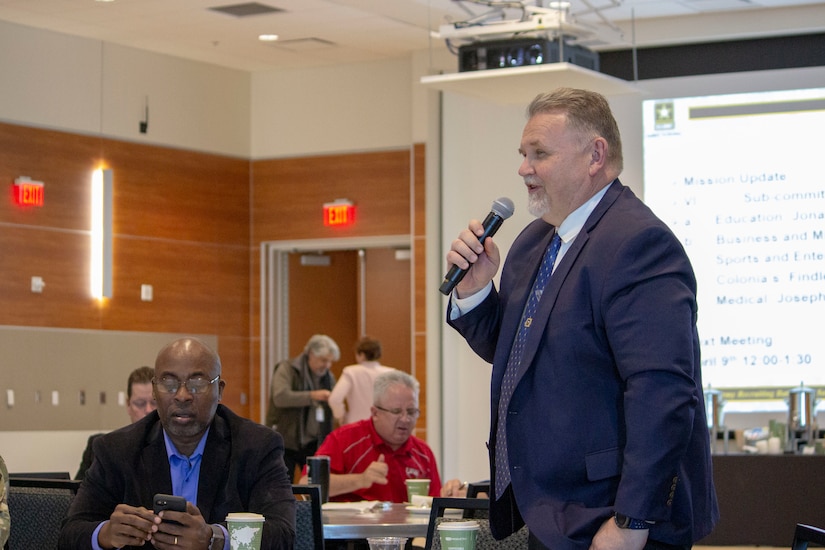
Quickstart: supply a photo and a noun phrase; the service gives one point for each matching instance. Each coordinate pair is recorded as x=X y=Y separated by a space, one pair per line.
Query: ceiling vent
x=246 y=9
x=302 y=44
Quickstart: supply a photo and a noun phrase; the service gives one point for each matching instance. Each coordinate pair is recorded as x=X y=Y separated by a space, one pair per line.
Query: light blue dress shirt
x=185 y=472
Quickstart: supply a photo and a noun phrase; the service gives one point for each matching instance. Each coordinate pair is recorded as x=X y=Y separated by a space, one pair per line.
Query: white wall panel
x=62 y=82
x=191 y=105
x=49 y=79
x=331 y=110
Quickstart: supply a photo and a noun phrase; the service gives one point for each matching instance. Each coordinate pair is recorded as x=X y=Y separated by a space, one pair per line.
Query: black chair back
x=807 y=534
x=477 y=488
x=42 y=475
x=37 y=508
x=309 y=526
x=479 y=509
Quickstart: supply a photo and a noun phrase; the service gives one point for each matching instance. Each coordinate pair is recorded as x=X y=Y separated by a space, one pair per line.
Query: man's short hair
x=141 y=375
x=588 y=113
x=384 y=381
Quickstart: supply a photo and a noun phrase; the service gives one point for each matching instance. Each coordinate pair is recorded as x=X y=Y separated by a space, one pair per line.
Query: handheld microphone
x=501 y=210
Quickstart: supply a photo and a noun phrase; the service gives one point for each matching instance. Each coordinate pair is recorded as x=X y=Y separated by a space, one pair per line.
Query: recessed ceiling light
x=267 y=37
x=102 y=1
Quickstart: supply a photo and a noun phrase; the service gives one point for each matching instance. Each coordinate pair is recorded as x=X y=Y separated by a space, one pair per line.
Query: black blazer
x=242 y=470
x=88 y=457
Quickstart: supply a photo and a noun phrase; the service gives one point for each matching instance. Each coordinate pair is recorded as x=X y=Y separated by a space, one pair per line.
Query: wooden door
x=347 y=294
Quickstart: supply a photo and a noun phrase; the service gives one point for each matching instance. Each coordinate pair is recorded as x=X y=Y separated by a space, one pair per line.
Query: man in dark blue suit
x=598 y=436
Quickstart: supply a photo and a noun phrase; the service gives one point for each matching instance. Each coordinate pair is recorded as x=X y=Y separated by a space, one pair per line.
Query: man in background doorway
x=351 y=398
x=298 y=396
x=139 y=403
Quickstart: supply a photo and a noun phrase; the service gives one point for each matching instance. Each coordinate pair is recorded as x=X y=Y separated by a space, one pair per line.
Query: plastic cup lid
x=244 y=516
x=417 y=480
x=458 y=525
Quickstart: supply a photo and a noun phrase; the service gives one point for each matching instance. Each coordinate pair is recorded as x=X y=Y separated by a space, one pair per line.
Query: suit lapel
x=563 y=267
x=214 y=467
x=513 y=318
x=155 y=464
x=523 y=285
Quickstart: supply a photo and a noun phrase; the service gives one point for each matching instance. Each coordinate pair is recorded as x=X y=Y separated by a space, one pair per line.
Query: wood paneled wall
x=419 y=280
x=288 y=195
x=181 y=224
x=189 y=224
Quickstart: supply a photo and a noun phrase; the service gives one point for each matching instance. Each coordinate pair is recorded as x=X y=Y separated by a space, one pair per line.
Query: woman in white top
x=351 y=398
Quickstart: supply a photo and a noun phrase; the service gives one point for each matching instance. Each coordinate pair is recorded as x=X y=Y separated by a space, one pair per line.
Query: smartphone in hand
x=168 y=502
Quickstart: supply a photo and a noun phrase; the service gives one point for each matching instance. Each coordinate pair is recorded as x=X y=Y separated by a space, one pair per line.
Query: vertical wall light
x=101 y=257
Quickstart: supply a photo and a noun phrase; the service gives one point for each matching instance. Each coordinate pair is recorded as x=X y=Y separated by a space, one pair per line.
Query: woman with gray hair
x=298 y=396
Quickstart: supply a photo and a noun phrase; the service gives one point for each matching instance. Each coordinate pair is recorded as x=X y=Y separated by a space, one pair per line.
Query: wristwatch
x=625 y=522
x=217 y=541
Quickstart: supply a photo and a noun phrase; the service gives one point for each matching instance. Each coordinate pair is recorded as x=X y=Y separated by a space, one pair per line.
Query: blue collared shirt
x=185 y=472
x=568 y=231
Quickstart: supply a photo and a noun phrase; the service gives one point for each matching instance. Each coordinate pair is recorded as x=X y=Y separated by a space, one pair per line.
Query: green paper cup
x=458 y=535
x=245 y=530
x=419 y=487
x=387 y=543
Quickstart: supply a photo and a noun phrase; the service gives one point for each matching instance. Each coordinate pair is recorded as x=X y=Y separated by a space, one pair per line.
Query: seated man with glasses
x=139 y=402
x=193 y=447
x=371 y=459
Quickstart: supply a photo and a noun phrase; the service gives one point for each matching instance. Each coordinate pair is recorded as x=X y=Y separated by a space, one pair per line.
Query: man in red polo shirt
x=371 y=459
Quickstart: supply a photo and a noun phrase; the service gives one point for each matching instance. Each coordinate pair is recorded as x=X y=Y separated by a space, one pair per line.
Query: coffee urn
x=801 y=417
x=714 y=404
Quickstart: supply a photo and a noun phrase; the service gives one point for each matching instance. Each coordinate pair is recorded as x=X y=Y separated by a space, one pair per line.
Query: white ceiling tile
x=369 y=30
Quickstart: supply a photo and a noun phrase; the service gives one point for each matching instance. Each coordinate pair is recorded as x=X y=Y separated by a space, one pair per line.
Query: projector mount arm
x=552 y=21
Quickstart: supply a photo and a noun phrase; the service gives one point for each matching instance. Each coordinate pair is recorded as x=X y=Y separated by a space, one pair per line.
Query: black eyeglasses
x=411 y=413
x=193 y=385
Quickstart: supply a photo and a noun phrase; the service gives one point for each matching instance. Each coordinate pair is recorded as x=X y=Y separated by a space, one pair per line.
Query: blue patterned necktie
x=508 y=383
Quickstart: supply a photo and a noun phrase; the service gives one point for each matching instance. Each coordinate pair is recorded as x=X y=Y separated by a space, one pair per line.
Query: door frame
x=274 y=292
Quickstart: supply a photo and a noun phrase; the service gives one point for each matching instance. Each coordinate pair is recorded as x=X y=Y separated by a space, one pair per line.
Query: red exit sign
x=28 y=192
x=339 y=213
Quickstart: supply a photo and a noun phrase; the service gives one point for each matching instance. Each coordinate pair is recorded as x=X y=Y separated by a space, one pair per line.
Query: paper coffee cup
x=458 y=535
x=417 y=487
x=387 y=543
x=245 y=530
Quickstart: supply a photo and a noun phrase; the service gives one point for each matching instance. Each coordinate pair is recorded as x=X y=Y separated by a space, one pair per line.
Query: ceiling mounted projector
x=511 y=19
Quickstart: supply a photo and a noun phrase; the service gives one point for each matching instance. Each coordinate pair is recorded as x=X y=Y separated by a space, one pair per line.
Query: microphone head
x=503 y=206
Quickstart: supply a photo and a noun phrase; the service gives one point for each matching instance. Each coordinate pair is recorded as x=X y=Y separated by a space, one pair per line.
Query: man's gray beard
x=537 y=205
